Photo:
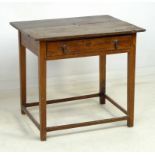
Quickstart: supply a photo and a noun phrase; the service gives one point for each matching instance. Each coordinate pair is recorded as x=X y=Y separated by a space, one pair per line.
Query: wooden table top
x=79 y=27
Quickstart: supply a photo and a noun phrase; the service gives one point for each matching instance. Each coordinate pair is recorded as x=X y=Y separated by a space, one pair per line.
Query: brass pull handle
x=116 y=42
x=64 y=49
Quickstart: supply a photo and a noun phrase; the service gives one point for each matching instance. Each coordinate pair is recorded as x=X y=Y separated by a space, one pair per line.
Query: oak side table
x=72 y=38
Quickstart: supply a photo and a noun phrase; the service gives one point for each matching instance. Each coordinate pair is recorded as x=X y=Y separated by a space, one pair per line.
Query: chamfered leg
x=102 y=77
x=22 y=68
x=42 y=89
x=131 y=82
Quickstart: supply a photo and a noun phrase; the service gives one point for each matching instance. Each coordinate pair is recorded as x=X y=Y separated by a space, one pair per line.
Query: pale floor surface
x=17 y=133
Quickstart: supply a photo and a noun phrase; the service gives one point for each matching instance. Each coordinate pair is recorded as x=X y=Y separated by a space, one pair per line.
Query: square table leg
x=42 y=89
x=102 y=77
x=22 y=68
x=131 y=82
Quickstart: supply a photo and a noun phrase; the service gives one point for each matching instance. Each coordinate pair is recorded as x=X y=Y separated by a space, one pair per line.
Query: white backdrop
x=139 y=13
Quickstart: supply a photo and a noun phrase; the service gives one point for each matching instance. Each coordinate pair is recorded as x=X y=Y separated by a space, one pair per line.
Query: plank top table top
x=78 y=27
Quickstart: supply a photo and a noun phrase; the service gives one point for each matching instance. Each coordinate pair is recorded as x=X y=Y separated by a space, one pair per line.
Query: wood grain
x=102 y=77
x=42 y=89
x=64 y=99
x=82 y=47
x=22 y=73
x=71 y=38
x=131 y=82
x=83 y=124
x=30 y=43
x=70 y=28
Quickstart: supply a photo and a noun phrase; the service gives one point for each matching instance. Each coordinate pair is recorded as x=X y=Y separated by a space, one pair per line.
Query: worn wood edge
x=139 y=29
x=86 y=36
x=31 y=117
x=83 y=124
x=94 y=16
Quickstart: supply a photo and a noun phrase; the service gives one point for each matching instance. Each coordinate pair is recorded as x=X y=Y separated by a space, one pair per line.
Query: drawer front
x=87 y=46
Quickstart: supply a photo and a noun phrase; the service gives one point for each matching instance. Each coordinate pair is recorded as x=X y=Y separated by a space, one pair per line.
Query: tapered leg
x=131 y=82
x=42 y=89
x=22 y=68
x=102 y=77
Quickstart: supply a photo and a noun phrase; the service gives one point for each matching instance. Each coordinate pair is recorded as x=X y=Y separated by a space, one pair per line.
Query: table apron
x=79 y=47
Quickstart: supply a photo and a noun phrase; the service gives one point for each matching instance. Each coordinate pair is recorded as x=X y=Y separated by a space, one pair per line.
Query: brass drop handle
x=64 y=49
x=116 y=42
